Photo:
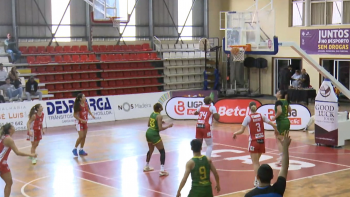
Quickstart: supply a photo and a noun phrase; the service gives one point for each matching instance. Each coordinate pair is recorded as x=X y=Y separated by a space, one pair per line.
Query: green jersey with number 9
x=153 y=123
x=200 y=174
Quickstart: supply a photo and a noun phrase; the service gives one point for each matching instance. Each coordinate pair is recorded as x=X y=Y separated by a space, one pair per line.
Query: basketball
x=234 y=51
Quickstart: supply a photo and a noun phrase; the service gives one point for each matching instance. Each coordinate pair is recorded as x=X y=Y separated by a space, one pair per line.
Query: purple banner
x=325 y=41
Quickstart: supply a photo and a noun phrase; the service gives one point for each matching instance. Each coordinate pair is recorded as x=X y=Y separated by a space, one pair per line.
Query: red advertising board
x=233 y=111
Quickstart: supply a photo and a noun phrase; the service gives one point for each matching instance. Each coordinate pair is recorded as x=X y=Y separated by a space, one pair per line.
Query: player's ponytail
x=252 y=107
x=5 y=129
x=76 y=106
x=157 y=107
x=34 y=110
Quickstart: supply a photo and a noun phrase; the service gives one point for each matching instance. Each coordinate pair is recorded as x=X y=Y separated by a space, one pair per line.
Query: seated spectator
x=3 y=75
x=305 y=79
x=11 y=92
x=32 y=89
x=13 y=74
x=11 y=48
x=265 y=175
x=295 y=78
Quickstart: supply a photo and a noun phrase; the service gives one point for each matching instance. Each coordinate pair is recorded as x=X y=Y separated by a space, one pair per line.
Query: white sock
x=147 y=164
x=81 y=149
x=75 y=148
x=209 y=143
x=161 y=168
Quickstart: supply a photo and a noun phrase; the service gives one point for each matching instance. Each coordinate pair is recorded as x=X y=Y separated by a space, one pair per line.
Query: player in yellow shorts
x=199 y=167
x=282 y=109
x=155 y=124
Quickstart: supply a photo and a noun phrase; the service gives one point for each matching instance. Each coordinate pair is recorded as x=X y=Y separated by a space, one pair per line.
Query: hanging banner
x=325 y=41
x=298 y=117
x=60 y=112
x=18 y=114
x=326 y=115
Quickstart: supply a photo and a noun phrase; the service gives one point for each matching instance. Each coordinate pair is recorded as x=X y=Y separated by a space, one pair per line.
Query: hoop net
x=238 y=52
x=115 y=20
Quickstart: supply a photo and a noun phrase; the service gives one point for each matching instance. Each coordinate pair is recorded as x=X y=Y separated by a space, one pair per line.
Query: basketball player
x=255 y=122
x=6 y=145
x=81 y=110
x=155 y=124
x=282 y=109
x=199 y=167
x=35 y=128
x=206 y=113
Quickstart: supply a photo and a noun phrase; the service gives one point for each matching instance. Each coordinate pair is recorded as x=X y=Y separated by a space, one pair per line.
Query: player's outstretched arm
x=10 y=143
x=189 y=167
x=239 y=132
x=216 y=175
x=160 y=123
x=285 y=157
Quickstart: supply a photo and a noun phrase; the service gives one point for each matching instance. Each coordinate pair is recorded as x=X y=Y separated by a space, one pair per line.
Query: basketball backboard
x=256 y=28
x=104 y=9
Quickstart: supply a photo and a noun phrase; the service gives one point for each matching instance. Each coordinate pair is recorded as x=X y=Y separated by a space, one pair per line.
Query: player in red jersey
x=35 y=128
x=206 y=113
x=6 y=145
x=255 y=122
x=81 y=114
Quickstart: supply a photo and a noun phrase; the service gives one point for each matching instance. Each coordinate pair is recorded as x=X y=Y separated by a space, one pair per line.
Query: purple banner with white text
x=325 y=41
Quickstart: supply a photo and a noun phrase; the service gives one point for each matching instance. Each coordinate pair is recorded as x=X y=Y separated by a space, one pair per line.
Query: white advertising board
x=183 y=108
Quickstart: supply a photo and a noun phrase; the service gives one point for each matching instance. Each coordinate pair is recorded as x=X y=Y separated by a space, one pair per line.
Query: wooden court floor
x=117 y=152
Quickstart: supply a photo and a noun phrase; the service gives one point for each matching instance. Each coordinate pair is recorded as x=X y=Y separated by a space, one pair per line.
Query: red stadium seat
x=58 y=68
x=126 y=82
x=67 y=94
x=127 y=91
x=67 y=49
x=84 y=58
x=118 y=57
x=133 y=57
x=58 y=49
x=58 y=78
x=140 y=81
x=104 y=57
x=75 y=58
x=103 y=48
x=155 y=89
x=32 y=50
x=147 y=65
x=59 y=59
x=31 y=59
x=131 y=47
x=76 y=76
x=154 y=81
x=41 y=78
x=133 y=91
x=92 y=58
x=93 y=93
x=146 y=47
x=117 y=48
x=111 y=58
x=67 y=77
x=67 y=68
x=125 y=47
x=145 y=56
x=140 y=90
x=76 y=86
x=111 y=83
x=140 y=73
x=104 y=75
x=119 y=66
x=148 y=73
x=83 y=49
x=148 y=81
x=119 y=83
x=33 y=69
x=50 y=78
x=67 y=59
x=50 y=49
x=148 y=89
x=133 y=82
x=92 y=67
x=110 y=48
x=104 y=92
x=23 y=49
x=126 y=57
x=140 y=65
x=111 y=75
x=133 y=65
x=119 y=91
x=84 y=76
x=75 y=49
x=104 y=66
x=127 y=74
x=154 y=56
x=138 y=47
x=154 y=73
x=133 y=74
x=84 y=67
x=41 y=49
x=59 y=95
x=75 y=67
x=111 y=92
x=85 y=85
x=93 y=84
x=50 y=69
x=68 y=86
x=59 y=86
x=50 y=87
x=86 y=93
x=119 y=75
x=95 y=48
x=93 y=75
x=112 y=66
x=104 y=84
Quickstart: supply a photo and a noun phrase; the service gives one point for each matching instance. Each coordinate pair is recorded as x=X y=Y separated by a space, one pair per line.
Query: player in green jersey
x=155 y=125
x=282 y=109
x=199 y=167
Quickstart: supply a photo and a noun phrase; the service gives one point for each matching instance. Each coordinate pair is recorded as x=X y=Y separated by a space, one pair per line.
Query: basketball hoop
x=115 y=21
x=238 y=52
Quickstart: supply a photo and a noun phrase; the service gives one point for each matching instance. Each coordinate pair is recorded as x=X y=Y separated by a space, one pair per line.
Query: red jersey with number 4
x=4 y=151
x=37 y=124
x=204 y=117
x=84 y=112
x=256 y=127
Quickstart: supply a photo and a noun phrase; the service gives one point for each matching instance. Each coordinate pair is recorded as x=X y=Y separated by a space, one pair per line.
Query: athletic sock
x=161 y=168
x=75 y=148
x=147 y=164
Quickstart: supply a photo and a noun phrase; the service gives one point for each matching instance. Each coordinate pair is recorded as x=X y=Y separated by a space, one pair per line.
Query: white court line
x=28 y=183
x=108 y=178
x=307 y=177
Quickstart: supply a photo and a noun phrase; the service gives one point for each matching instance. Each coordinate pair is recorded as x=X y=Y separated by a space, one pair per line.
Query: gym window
x=58 y=7
x=298 y=13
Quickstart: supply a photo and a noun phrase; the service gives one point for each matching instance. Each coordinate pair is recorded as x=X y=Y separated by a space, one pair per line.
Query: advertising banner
x=183 y=108
x=60 y=112
x=325 y=41
x=136 y=105
x=326 y=115
x=299 y=116
x=234 y=110
x=18 y=114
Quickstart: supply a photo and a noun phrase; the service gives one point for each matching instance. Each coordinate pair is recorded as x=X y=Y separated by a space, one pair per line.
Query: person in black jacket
x=284 y=78
x=32 y=89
